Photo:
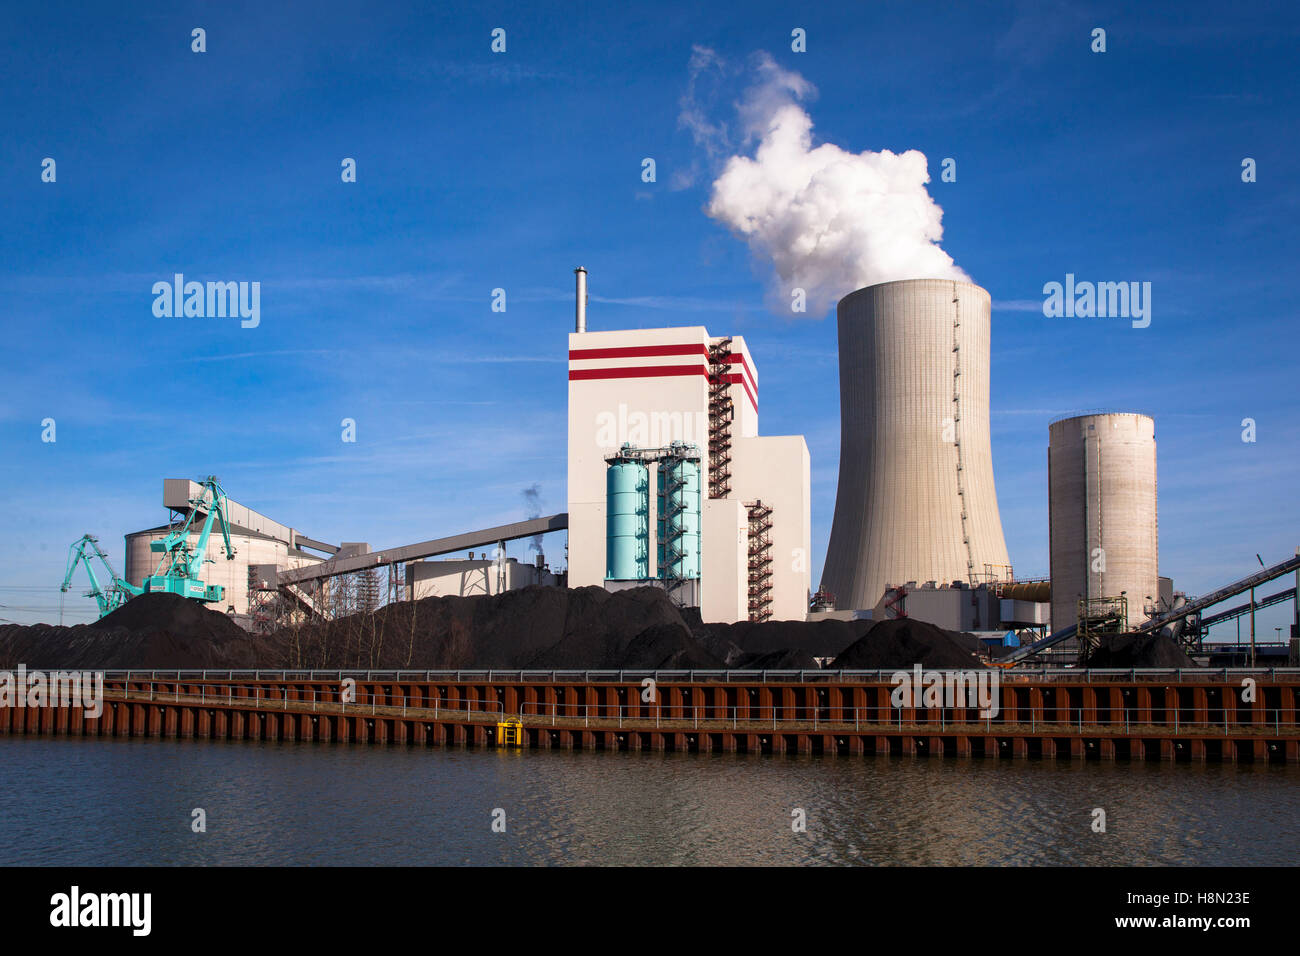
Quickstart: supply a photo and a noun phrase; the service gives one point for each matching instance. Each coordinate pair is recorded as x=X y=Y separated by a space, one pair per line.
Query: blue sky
x=479 y=170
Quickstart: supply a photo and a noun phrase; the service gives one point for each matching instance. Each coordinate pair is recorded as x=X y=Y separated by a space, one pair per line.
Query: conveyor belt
x=1222 y=594
x=1191 y=607
x=426 y=549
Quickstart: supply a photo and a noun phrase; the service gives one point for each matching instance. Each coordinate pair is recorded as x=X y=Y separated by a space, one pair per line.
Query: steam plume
x=829 y=221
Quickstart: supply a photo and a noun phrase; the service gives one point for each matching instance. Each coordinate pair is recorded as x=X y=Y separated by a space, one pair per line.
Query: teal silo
x=627 y=521
x=678 y=523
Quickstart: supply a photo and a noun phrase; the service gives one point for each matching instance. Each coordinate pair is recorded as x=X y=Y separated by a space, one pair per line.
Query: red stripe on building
x=658 y=371
x=740 y=357
x=753 y=399
x=636 y=371
x=637 y=351
x=651 y=351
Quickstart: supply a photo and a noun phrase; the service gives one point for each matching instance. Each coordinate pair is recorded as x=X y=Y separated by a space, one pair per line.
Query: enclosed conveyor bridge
x=424 y=549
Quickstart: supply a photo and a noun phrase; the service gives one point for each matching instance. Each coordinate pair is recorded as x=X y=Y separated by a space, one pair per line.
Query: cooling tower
x=916 y=500
x=1101 y=481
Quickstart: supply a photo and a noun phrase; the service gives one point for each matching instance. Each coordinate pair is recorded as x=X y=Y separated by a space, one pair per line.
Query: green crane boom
x=110 y=597
x=178 y=571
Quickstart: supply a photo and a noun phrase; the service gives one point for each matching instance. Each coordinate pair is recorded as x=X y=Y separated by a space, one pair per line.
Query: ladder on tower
x=956 y=437
x=671 y=506
x=721 y=413
x=760 y=560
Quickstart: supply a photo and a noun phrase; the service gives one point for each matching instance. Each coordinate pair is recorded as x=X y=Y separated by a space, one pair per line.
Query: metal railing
x=883 y=675
x=1129 y=721
x=231 y=695
x=815 y=717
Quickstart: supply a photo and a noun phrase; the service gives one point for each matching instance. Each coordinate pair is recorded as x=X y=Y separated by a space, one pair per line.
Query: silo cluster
x=677 y=514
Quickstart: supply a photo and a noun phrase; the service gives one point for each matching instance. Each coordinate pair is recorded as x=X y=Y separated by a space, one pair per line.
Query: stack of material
x=1139 y=650
x=152 y=630
x=904 y=642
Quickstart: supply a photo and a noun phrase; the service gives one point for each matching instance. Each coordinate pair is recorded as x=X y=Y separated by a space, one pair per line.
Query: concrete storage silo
x=916 y=500
x=678 y=521
x=627 y=538
x=257 y=540
x=1101 y=477
x=251 y=548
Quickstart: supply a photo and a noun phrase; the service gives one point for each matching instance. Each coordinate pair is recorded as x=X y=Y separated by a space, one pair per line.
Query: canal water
x=73 y=801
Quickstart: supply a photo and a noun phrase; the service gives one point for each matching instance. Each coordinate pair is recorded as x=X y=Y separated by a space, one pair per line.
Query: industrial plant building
x=669 y=481
x=257 y=541
x=671 y=485
x=471 y=576
x=1019 y=606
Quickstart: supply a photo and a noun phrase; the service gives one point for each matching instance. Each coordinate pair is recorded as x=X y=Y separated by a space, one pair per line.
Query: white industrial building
x=473 y=577
x=718 y=514
x=1000 y=606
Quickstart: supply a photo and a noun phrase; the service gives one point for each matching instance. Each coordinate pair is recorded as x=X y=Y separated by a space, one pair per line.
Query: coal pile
x=667 y=647
x=535 y=628
x=903 y=642
x=790 y=659
x=529 y=629
x=153 y=631
x=1139 y=650
x=718 y=647
x=171 y=614
x=815 y=638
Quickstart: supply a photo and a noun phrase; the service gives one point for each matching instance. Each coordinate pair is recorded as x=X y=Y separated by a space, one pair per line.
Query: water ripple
x=73 y=801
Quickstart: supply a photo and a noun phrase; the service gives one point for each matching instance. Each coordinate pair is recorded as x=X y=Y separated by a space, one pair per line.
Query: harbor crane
x=110 y=596
x=178 y=571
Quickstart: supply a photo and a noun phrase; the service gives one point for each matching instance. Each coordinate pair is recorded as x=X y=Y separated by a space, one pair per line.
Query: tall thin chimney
x=581 y=306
